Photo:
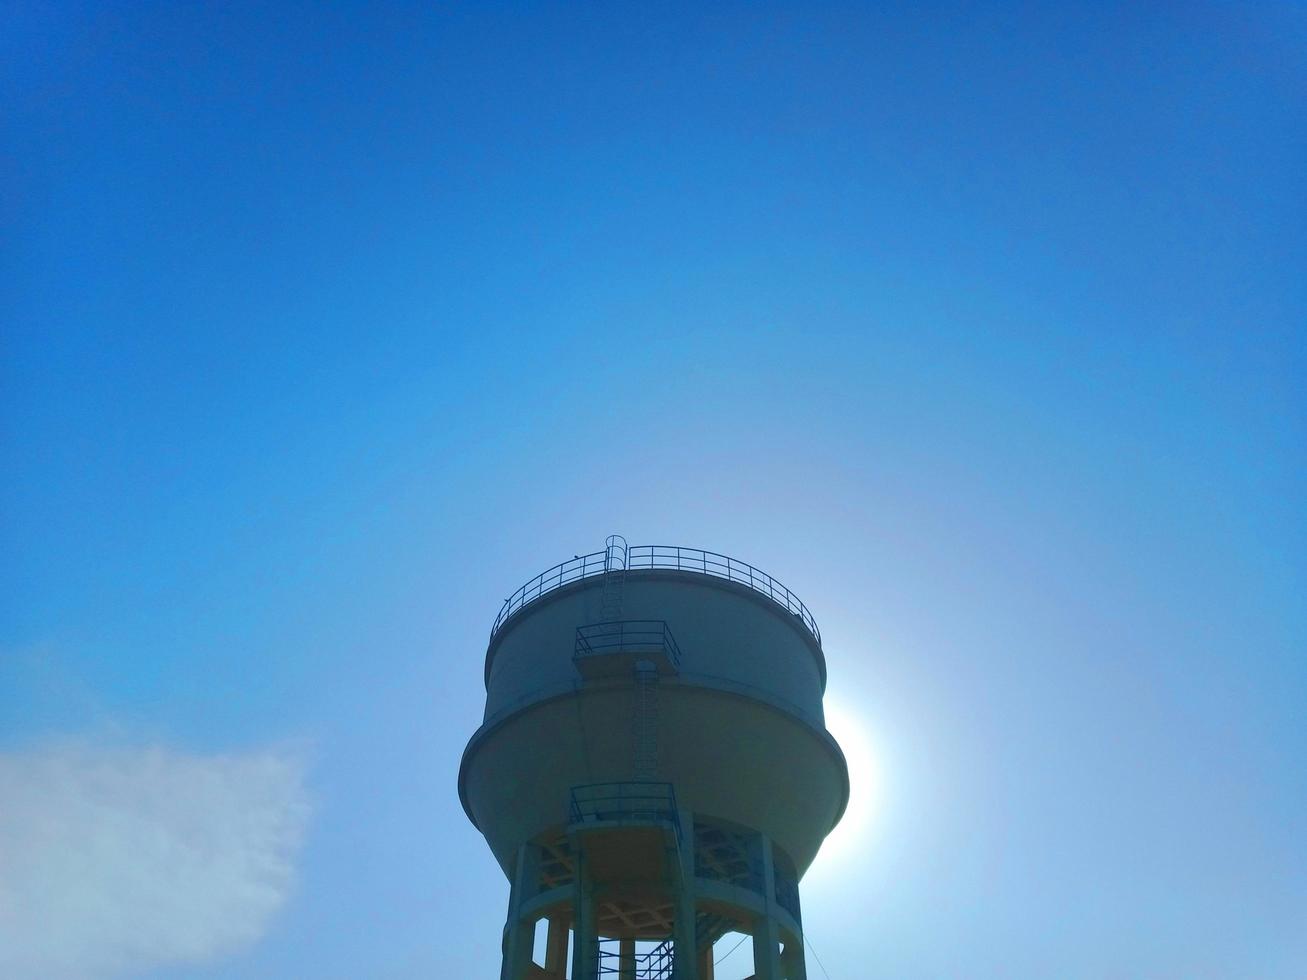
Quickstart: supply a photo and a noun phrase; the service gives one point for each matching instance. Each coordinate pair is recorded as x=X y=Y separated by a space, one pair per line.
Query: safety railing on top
x=658 y=556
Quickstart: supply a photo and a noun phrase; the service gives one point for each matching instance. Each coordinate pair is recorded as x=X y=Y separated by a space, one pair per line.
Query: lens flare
x=852 y=836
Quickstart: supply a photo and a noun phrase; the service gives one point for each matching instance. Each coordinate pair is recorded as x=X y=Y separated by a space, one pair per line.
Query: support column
x=519 y=935
x=706 y=963
x=626 y=959
x=764 y=863
x=792 y=959
x=556 y=948
x=766 y=931
x=683 y=935
x=766 y=949
x=683 y=909
x=793 y=966
x=585 y=937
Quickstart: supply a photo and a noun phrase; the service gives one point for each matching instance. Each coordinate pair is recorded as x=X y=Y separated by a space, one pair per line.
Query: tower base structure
x=642 y=888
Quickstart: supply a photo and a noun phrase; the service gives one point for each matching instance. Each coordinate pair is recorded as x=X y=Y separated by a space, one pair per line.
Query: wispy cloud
x=114 y=860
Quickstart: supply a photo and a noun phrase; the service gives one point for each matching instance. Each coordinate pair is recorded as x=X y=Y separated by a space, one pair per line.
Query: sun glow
x=854 y=831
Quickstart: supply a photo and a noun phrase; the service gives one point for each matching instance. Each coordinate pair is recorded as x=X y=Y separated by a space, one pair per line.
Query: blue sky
x=982 y=328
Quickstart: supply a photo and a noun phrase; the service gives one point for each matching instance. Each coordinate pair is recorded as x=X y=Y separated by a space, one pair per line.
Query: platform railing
x=658 y=556
x=619 y=803
x=627 y=636
x=658 y=963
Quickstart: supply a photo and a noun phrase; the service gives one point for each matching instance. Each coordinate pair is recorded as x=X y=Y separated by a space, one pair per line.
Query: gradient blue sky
x=982 y=327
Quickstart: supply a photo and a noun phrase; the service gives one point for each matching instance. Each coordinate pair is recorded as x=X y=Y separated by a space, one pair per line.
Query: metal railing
x=564 y=573
x=658 y=963
x=627 y=636
x=623 y=803
x=658 y=556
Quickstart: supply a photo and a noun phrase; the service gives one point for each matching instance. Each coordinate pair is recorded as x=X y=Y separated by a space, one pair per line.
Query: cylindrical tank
x=662 y=701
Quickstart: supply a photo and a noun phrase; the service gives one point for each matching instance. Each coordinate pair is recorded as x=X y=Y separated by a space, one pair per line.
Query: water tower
x=653 y=769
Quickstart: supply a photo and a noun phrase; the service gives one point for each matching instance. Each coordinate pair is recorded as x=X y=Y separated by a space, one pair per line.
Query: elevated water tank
x=653 y=769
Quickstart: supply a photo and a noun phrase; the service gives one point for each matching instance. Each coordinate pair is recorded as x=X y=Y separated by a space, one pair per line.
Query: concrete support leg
x=687 y=960
x=585 y=938
x=764 y=864
x=556 y=948
x=519 y=934
x=626 y=959
x=519 y=937
x=793 y=965
x=766 y=949
x=706 y=963
x=684 y=917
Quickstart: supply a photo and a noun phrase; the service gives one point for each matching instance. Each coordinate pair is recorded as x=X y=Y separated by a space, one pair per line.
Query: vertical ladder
x=610 y=609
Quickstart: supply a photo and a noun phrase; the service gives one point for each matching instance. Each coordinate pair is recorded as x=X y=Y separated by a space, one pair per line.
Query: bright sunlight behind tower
x=856 y=831
x=981 y=326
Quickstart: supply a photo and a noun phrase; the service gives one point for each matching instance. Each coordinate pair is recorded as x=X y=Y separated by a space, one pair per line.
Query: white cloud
x=115 y=860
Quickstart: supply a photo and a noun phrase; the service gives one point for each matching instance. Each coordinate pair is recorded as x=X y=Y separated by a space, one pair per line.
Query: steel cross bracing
x=658 y=963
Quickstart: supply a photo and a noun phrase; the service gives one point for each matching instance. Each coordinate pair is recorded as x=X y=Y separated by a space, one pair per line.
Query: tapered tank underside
x=736 y=758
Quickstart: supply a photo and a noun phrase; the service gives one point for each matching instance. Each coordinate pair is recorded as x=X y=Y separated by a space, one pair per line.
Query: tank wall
x=725 y=632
